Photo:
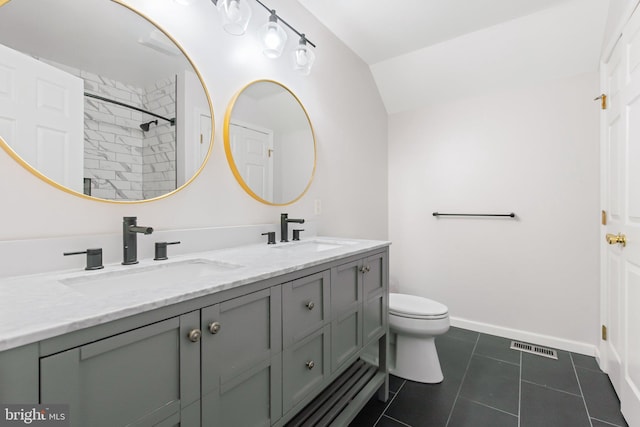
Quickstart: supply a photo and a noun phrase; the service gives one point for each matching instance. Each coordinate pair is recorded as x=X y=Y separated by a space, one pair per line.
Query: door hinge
x=604 y=333
x=602 y=97
x=604 y=217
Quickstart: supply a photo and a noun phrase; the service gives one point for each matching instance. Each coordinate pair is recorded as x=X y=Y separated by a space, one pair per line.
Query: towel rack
x=510 y=214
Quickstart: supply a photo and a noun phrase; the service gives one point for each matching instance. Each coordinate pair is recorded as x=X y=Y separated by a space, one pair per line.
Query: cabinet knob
x=310 y=364
x=365 y=269
x=310 y=305
x=214 y=327
x=194 y=335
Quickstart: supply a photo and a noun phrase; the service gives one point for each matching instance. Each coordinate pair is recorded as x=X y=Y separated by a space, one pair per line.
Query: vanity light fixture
x=236 y=15
x=273 y=37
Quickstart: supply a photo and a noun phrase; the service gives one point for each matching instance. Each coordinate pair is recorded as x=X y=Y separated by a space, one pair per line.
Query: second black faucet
x=284 y=226
x=130 y=230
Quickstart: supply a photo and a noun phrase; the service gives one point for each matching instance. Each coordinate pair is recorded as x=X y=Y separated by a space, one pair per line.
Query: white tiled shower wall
x=123 y=162
x=159 y=145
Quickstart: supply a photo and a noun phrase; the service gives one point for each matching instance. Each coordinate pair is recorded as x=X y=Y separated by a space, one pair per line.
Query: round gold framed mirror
x=270 y=143
x=100 y=102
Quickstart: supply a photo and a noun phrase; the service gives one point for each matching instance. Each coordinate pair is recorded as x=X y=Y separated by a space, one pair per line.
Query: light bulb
x=235 y=15
x=303 y=57
x=233 y=11
x=273 y=37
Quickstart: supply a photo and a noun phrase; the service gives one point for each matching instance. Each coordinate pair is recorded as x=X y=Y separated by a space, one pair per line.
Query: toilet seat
x=415 y=307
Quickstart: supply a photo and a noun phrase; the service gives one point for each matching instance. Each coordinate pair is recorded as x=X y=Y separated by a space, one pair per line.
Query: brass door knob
x=612 y=239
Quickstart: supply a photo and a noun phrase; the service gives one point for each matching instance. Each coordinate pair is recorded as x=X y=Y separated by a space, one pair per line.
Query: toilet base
x=416 y=359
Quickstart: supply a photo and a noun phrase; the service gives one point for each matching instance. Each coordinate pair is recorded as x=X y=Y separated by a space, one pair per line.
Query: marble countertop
x=37 y=307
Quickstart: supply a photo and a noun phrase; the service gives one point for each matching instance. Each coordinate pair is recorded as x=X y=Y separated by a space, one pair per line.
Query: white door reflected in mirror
x=270 y=143
x=122 y=120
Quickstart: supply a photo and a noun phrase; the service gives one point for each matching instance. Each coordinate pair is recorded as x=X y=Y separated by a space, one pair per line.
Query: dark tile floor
x=489 y=385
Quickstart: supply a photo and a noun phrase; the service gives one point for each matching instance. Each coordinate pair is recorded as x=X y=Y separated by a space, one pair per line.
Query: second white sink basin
x=160 y=275
x=315 y=245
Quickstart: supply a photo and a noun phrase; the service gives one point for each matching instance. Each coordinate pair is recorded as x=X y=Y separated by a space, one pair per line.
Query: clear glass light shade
x=235 y=16
x=303 y=58
x=273 y=38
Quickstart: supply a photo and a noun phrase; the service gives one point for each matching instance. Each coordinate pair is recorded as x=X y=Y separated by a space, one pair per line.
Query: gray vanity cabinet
x=145 y=377
x=242 y=360
x=258 y=355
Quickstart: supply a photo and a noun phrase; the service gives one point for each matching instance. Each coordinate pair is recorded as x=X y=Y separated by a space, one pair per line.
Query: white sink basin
x=316 y=245
x=156 y=276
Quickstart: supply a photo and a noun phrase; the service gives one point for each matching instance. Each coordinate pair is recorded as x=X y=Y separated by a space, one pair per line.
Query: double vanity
x=257 y=335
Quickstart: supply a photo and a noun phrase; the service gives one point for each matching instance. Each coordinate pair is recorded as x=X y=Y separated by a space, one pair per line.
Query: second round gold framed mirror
x=270 y=143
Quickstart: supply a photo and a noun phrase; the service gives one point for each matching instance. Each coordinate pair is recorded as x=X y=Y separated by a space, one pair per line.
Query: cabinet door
x=242 y=360
x=143 y=377
x=375 y=285
x=346 y=312
x=306 y=366
x=305 y=306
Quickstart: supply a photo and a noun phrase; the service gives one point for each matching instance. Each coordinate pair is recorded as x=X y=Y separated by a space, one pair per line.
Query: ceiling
x=421 y=50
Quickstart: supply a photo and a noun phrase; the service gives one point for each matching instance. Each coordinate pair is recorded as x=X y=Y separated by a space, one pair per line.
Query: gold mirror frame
x=229 y=152
x=59 y=186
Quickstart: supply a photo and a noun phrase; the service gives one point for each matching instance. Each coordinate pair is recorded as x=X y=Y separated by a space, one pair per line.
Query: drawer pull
x=310 y=305
x=214 y=327
x=310 y=364
x=194 y=335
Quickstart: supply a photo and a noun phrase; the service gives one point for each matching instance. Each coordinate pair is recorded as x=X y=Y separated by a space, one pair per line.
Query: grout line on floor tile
x=575 y=372
x=490 y=407
x=554 y=389
x=462 y=381
x=389 y=403
x=398 y=421
x=520 y=392
x=496 y=359
x=605 y=422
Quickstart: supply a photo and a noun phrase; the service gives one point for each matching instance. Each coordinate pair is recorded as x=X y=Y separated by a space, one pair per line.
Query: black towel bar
x=511 y=214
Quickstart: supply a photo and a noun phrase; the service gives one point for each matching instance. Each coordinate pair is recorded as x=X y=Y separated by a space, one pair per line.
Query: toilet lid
x=415 y=306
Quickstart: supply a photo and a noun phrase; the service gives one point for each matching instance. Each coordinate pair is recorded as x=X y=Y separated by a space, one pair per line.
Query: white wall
x=340 y=96
x=532 y=150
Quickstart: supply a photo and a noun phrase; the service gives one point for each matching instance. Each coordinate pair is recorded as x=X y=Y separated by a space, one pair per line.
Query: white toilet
x=415 y=322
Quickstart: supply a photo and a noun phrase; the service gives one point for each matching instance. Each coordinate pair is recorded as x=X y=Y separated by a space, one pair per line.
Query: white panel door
x=252 y=149
x=205 y=138
x=41 y=116
x=621 y=200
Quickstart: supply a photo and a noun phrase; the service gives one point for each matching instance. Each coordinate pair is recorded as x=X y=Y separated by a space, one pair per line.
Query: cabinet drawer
x=306 y=366
x=305 y=306
x=375 y=275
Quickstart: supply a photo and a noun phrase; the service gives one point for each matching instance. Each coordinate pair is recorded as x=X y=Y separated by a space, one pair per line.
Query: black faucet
x=130 y=230
x=284 y=226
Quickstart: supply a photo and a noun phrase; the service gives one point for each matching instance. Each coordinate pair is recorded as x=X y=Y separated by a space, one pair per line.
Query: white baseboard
x=529 y=337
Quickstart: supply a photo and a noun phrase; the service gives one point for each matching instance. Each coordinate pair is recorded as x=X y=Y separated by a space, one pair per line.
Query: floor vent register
x=534 y=349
